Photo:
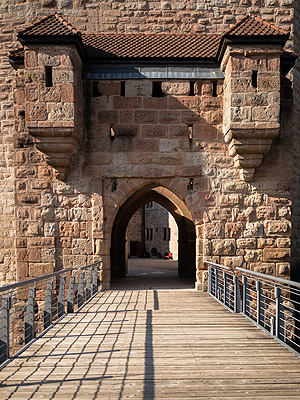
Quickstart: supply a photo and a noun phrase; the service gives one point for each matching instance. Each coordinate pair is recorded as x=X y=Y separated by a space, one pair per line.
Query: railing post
x=48 y=305
x=237 y=294
x=279 y=329
x=88 y=285
x=61 y=297
x=225 y=289
x=217 y=294
x=95 y=280
x=80 y=290
x=29 y=317
x=245 y=294
x=4 y=329
x=70 y=300
x=260 y=305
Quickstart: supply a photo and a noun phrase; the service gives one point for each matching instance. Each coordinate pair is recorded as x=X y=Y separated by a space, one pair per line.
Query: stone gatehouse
x=197 y=120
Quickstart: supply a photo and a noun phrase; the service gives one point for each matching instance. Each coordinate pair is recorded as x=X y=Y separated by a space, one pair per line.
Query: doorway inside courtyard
x=153 y=242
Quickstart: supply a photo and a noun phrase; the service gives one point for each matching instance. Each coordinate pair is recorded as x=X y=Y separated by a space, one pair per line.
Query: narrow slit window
x=254 y=79
x=48 y=76
x=96 y=92
x=192 y=88
x=123 y=88
x=157 y=89
x=215 y=94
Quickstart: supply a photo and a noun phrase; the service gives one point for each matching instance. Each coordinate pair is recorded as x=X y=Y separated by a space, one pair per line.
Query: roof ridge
x=152 y=34
x=42 y=20
x=238 y=23
x=253 y=18
x=269 y=23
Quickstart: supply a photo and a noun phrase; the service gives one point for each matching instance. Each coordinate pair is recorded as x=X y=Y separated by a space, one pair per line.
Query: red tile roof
x=147 y=46
x=254 y=26
x=150 y=45
x=52 y=25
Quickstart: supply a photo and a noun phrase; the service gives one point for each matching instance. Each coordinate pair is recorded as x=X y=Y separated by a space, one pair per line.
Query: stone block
x=157 y=131
x=155 y=103
x=283 y=270
x=254 y=229
x=168 y=145
x=230 y=199
x=70 y=229
x=30 y=59
x=268 y=83
x=173 y=158
x=60 y=111
x=176 y=88
x=39 y=269
x=178 y=130
x=266 y=242
x=283 y=242
x=265 y=212
x=63 y=76
x=247 y=243
x=138 y=88
x=276 y=254
x=232 y=262
x=126 y=117
x=223 y=247
x=169 y=117
x=127 y=102
x=82 y=246
x=263 y=268
x=214 y=231
x=184 y=102
x=145 y=116
x=281 y=227
x=126 y=130
x=109 y=88
x=252 y=255
x=233 y=229
x=36 y=112
x=67 y=93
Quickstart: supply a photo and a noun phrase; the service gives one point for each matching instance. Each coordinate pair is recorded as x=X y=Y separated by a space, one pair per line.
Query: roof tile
x=52 y=25
x=110 y=46
x=254 y=26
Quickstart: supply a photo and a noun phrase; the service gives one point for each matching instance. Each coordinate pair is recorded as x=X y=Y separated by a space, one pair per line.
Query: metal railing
x=29 y=308
x=271 y=303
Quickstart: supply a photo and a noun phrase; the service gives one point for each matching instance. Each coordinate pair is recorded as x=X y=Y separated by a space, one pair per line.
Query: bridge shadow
x=90 y=352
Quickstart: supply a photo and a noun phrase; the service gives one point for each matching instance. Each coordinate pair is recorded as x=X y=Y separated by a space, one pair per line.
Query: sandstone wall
x=55 y=224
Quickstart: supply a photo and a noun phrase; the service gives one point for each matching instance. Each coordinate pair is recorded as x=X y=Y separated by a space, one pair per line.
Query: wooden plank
x=120 y=346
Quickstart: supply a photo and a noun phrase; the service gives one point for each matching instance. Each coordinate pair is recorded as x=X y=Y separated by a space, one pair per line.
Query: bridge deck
x=146 y=344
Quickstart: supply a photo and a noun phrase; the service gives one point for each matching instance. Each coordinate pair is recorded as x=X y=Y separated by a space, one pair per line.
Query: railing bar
x=34 y=280
x=270 y=278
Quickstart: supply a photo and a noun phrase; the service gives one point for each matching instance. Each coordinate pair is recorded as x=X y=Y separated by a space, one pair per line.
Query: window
x=48 y=76
x=149 y=205
x=149 y=234
x=254 y=79
x=157 y=89
x=167 y=234
x=192 y=88
x=215 y=85
x=123 y=88
x=96 y=92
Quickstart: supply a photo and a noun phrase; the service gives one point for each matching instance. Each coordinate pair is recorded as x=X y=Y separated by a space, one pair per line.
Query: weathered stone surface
x=276 y=254
x=277 y=227
x=224 y=247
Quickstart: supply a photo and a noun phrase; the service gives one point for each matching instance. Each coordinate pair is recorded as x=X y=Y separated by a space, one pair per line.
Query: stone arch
x=183 y=218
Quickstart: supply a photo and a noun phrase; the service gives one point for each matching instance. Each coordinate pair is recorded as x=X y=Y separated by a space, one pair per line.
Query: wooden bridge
x=153 y=344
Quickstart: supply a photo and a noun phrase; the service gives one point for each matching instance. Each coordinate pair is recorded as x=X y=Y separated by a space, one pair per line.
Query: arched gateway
x=183 y=218
x=107 y=122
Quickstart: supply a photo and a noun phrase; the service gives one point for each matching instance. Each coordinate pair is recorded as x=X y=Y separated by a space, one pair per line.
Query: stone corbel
x=59 y=146
x=248 y=146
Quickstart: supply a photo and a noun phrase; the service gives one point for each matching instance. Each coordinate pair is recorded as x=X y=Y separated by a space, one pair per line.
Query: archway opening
x=182 y=216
